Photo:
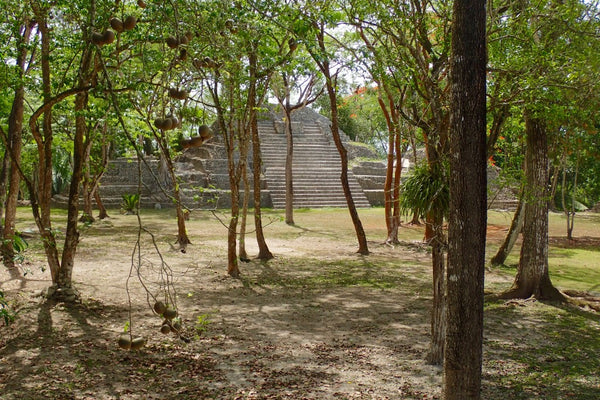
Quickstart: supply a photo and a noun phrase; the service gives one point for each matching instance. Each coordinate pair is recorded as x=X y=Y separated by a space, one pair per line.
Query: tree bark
x=363 y=247
x=41 y=191
x=324 y=66
x=289 y=162
x=15 y=128
x=389 y=172
x=64 y=280
x=438 y=310
x=396 y=192
x=242 y=253
x=263 y=250
x=512 y=235
x=102 y=210
x=87 y=185
x=468 y=203
x=234 y=181
x=532 y=277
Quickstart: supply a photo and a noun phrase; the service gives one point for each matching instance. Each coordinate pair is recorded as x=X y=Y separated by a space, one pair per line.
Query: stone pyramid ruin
x=204 y=181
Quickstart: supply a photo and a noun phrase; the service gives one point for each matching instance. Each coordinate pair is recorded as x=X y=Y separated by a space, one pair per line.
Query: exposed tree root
x=63 y=294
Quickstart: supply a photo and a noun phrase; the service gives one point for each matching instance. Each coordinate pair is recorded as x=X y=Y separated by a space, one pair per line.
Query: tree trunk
x=569 y=211
x=389 y=173
x=289 y=162
x=63 y=284
x=468 y=203
x=532 y=277
x=232 y=260
x=41 y=191
x=396 y=192
x=363 y=247
x=512 y=235
x=182 y=238
x=263 y=250
x=242 y=254
x=438 y=311
x=102 y=213
x=324 y=66
x=87 y=186
x=15 y=128
x=102 y=210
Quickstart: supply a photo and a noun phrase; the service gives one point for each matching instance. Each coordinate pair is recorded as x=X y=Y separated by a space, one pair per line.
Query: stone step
x=316 y=169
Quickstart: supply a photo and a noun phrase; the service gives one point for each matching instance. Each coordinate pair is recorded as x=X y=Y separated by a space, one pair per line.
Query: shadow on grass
x=541 y=351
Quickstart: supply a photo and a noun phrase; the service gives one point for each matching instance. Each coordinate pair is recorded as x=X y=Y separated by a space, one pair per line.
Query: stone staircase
x=316 y=167
x=204 y=181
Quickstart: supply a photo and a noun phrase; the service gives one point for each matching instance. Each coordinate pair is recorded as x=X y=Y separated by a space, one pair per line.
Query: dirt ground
x=316 y=322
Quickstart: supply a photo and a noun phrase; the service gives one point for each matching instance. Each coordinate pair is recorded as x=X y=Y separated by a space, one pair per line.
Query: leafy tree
x=315 y=21
x=535 y=46
x=304 y=83
x=22 y=27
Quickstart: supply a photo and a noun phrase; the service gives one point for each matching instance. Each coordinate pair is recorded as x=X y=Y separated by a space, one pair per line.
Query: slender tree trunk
x=569 y=211
x=438 y=311
x=87 y=186
x=363 y=247
x=227 y=130
x=243 y=255
x=4 y=177
x=64 y=290
x=389 y=172
x=41 y=192
x=532 y=277
x=512 y=235
x=263 y=250
x=232 y=260
x=182 y=237
x=325 y=68
x=102 y=210
x=468 y=203
x=396 y=184
x=289 y=162
x=15 y=128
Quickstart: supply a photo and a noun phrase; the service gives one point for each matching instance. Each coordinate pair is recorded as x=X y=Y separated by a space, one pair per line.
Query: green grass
x=542 y=352
x=314 y=273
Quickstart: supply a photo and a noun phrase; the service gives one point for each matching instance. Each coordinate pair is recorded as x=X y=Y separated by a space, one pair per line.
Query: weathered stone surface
x=203 y=171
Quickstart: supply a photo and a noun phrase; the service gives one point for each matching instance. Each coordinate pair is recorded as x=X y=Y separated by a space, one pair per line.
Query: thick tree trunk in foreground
x=512 y=235
x=532 y=277
x=468 y=203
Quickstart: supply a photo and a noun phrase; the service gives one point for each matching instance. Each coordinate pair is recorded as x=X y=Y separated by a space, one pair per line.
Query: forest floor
x=316 y=322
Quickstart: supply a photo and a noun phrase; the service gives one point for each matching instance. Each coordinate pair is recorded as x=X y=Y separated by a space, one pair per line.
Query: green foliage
x=425 y=190
x=361 y=119
x=6 y=314
x=131 y=203
x=202 y=323
x=61 y=170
